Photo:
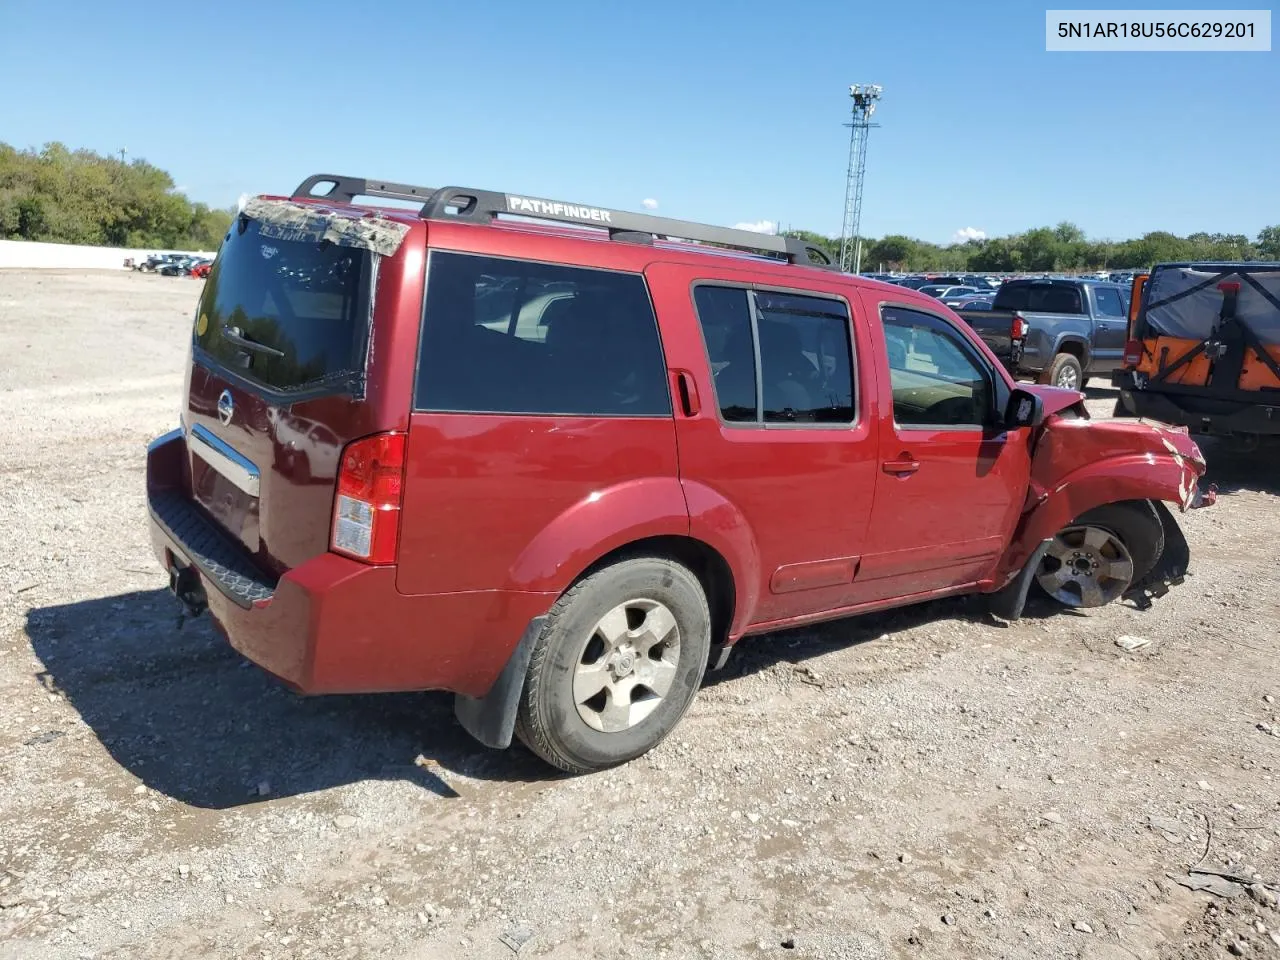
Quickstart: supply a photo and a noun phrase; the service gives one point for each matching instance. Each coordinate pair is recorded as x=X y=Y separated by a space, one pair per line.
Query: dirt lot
x=922 y=784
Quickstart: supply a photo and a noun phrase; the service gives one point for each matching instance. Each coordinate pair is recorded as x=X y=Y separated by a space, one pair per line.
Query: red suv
x=557 y=468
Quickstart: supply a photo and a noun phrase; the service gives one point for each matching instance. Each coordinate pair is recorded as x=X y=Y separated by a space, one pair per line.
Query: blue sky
x=723 y=112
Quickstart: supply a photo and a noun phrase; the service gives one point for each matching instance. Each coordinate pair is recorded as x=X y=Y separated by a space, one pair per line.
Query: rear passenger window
x=777 y=357
x=510 y=336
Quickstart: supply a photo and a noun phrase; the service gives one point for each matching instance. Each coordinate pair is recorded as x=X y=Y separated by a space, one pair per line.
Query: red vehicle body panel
x=500 y=513
x=536 y=499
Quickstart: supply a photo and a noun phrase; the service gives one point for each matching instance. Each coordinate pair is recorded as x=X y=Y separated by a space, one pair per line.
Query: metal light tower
x=864 y=96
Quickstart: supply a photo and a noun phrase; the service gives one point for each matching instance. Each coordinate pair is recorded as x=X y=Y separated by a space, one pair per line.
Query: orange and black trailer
x=1204 y=349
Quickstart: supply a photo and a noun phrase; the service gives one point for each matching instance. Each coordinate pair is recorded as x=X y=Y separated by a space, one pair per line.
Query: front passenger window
x=938 y=380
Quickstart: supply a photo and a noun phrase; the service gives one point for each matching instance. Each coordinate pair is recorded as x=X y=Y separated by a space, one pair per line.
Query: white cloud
x=649 y=203
x=760 y=226
x=965 y=234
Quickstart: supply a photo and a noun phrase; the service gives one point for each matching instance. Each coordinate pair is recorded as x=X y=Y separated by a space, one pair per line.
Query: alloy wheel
x=627 y=665
x=1086 y=567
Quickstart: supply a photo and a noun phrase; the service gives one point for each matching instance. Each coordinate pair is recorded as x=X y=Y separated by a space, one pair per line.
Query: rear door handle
x=687 y=390
x=904 y=464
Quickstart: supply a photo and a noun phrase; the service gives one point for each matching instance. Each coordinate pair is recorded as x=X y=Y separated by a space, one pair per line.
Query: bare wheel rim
x=627 y=665
x=1067 y=377
x=1086 y=567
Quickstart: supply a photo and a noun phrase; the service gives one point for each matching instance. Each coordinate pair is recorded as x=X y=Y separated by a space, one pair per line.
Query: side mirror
x=1025 y=409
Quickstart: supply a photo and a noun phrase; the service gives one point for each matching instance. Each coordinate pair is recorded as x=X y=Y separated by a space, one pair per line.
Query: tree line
x=1060 y=249
x=77 y=196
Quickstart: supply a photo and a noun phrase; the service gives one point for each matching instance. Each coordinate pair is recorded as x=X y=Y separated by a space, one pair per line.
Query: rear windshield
x=1039 y=297
x=285 y=314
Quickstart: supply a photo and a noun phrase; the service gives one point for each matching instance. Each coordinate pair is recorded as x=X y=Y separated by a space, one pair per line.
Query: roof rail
x=346 y=189
x=484 y=206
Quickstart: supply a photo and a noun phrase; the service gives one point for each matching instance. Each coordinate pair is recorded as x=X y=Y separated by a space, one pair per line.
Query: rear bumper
x=1243 y=419
x=333 y=625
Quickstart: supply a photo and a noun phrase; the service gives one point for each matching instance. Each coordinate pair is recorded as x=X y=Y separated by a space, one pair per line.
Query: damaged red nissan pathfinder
x=559 y=467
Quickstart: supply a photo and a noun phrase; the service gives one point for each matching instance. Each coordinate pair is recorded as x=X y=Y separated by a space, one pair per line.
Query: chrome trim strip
x=164 y=438
x=224 y=458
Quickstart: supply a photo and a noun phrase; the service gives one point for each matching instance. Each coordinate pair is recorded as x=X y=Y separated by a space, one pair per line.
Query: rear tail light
x=1018 y=327
x=1132 y=353
x=366 y=510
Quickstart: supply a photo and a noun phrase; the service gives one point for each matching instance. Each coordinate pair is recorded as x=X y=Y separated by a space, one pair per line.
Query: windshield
x=306 y=304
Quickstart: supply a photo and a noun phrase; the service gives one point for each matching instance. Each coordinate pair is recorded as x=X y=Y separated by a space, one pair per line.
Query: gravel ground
x=921 y=784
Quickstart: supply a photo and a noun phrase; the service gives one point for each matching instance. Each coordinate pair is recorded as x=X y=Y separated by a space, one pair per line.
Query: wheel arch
x=704 y=561
x=1113 y=480
x=1076 y=346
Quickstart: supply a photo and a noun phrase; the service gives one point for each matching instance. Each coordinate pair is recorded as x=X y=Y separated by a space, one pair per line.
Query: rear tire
x=1065 y=371
x=616 y=666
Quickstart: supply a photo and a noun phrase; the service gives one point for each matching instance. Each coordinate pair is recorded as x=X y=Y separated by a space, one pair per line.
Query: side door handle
x=687 y=391
x=905 y=464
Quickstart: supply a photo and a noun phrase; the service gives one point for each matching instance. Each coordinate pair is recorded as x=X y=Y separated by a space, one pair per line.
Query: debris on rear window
x=303 y=223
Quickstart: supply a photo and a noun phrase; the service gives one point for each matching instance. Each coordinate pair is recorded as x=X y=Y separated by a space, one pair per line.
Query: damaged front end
x=1079 y=465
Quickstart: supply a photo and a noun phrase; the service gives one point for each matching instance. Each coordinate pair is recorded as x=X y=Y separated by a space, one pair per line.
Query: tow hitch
x=184 y=584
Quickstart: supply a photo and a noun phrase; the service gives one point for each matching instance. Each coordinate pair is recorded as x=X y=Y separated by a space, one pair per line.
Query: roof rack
x=484 y=206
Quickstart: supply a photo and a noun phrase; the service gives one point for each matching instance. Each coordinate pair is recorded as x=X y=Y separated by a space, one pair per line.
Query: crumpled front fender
x=1082 y=464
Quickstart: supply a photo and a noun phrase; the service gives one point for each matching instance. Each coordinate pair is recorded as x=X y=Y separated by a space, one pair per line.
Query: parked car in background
x=942 y=291
x=151 y=263
x=176 y=267
x=559 y=470
x=1060 y=331
x=969 y=300
x=200 y=268
x=913 y=282
x=934 y=289
x=1204 y=349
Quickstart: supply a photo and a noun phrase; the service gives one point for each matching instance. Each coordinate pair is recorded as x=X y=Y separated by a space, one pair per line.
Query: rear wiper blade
x=240 y=340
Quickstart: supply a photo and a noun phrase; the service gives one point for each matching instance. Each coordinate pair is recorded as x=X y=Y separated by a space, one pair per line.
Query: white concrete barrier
x=28 y=255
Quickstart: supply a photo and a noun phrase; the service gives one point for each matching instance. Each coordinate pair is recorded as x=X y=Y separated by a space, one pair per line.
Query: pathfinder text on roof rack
x=536 y=207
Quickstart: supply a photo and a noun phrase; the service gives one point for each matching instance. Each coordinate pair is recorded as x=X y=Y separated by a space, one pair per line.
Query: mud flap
x=1170 y=570
x=491 y=719
x=1007 y=602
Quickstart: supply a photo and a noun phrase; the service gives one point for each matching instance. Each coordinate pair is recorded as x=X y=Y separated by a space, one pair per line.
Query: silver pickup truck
x=1058 y=331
